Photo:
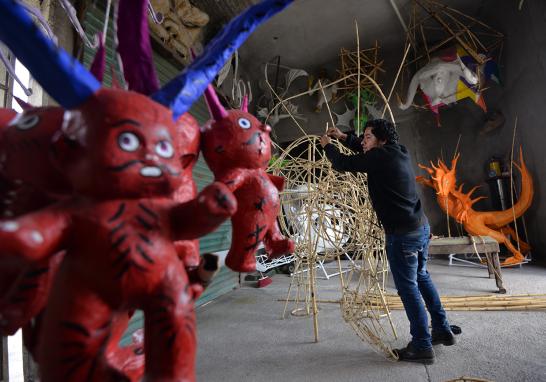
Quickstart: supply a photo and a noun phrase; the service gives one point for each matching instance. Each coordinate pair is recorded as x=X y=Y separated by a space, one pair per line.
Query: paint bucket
x=494 y=167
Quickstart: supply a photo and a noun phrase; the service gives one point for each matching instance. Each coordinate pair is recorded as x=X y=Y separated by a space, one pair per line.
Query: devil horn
x=24 y=105
x=244 y=104
x=216 y=109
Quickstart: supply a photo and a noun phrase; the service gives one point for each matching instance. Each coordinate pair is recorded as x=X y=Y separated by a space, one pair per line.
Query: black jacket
x=391 y=182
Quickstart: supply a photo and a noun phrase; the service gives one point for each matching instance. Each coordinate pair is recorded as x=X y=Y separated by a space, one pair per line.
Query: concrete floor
x=243 y=338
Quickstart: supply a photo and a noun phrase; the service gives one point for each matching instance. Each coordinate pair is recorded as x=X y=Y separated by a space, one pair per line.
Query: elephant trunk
x=414 y=84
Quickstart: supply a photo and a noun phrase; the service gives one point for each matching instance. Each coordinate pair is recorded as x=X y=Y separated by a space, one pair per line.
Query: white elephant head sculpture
x=438 y=80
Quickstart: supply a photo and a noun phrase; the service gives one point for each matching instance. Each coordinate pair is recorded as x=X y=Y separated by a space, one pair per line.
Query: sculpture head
x=234 y=138
x=442 y=179
x=120 y=144
x=438 y=80
x=25 y=150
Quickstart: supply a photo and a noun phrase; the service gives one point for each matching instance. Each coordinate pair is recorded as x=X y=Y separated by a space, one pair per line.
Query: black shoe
x=444 y=338
x=411 y=355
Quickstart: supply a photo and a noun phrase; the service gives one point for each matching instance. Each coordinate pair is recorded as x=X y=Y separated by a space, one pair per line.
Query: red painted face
x=127 y=147
x=25 y=150
x=238 y=140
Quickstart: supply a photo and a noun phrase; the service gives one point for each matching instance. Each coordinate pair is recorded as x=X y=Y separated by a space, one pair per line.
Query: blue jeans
x=407 y=254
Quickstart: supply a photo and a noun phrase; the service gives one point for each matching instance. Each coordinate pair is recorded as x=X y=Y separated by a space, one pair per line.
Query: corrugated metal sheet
x=5 y=82
x=217 y=241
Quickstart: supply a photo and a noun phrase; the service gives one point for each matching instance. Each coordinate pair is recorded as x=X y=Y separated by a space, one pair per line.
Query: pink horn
x=244 y=104
x=24 y=105
x=216 y=109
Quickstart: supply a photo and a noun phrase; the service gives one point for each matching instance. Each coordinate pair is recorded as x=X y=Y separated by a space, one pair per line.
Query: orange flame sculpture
x=458 y=205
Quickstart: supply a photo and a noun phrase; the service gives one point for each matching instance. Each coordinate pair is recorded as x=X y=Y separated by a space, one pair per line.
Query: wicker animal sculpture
x=458 y=205
x=237 y=149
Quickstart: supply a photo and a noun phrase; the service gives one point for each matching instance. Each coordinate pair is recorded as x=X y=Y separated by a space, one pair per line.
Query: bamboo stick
x=358 y=80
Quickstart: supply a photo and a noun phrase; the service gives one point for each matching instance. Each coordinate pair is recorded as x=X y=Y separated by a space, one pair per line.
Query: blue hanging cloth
x=181 y=92
x=62 y=76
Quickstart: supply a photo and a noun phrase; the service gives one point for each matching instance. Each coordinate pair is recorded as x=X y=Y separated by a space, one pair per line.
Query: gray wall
x=524 y=96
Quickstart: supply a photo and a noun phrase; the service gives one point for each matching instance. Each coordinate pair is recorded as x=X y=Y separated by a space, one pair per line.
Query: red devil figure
x=30 y=182
x=237 y=148
x=119 y=234
x=27 y=152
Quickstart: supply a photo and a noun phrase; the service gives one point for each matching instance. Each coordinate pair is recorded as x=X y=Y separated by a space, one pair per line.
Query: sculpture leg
x=275 y=243
x=169 y=339
x=129 y=360
x=509 y=231
x=248 y=232
x=517 y=257
x=74 y=335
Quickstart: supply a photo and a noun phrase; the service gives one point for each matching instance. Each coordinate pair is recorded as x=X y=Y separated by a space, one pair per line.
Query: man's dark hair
x=383 y=130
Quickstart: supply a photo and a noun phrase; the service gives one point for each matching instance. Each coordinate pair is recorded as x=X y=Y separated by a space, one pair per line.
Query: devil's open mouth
x=256 y=138
x=151 y=171
x=147 y=171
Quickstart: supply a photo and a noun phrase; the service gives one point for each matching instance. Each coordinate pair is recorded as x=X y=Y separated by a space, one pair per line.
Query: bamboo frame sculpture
x=349 y=63
x=330 y=214
x=430 y=20
x=335 y=212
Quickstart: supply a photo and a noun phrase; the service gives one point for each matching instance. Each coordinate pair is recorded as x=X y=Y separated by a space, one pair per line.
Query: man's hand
x=336 y=133
x=324 y=140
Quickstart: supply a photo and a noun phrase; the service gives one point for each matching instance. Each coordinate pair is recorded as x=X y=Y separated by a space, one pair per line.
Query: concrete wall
x=524 y=96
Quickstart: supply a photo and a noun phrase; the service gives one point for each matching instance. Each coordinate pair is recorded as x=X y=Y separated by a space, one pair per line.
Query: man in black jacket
x=392 y=188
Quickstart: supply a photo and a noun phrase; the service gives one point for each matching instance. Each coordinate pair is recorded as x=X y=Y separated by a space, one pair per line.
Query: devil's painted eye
x=244 y=123
x=26 y=122
x=164 y=149
x=128 y=142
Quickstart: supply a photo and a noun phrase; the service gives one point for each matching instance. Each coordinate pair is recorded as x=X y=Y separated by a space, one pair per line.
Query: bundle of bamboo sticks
x=491 y=302
x=518 y=302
